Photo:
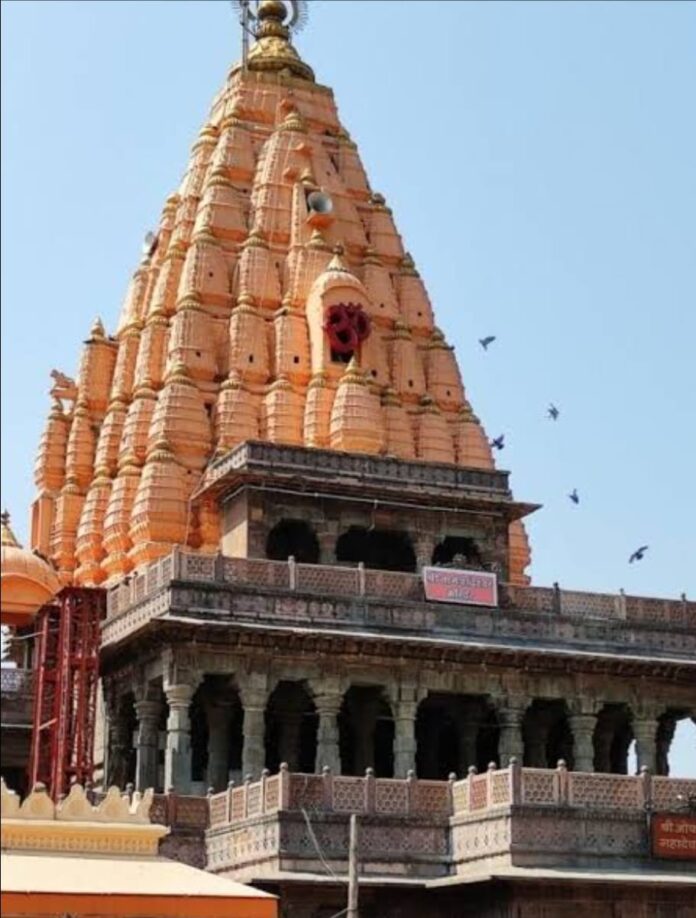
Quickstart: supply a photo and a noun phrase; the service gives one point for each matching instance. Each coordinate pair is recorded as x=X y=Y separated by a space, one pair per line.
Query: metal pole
x=352 y=911
x=245 y=33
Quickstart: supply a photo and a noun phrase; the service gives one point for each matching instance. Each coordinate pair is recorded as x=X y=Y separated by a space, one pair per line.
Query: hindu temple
x=311 y=577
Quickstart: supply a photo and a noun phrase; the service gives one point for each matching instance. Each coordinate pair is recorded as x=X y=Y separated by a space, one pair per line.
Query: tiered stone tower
x=258 y=466
x=276 y=304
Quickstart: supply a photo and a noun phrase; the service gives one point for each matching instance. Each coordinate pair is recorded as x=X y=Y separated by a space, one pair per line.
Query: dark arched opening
x=612 y=737
x=378 y=549
x=457 y=551
x=547 y=735
x=199 y=739
x=454 y=732
x=291 y=728
x=217 y=722
x=366 y=732
x=293 y=538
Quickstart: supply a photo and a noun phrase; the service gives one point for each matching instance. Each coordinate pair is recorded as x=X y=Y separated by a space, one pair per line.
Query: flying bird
x=574 y=496
x=499 y=442
x=638 y=554
x=484 y=342
x=553 y=412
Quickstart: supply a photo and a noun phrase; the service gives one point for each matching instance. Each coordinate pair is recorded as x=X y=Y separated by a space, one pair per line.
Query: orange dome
x=28 y=582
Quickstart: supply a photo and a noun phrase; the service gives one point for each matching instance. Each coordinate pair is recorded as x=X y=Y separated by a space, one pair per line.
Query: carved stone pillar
x=177 y=759
x=254 y=697
x=219 y=738
x=645 y=734
x=582 y=727
x=404 y=738
x=328 y=753
x=146 y=762
x=511 y=743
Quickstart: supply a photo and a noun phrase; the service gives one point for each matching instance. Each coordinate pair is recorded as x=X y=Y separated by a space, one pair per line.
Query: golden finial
x=273 y=50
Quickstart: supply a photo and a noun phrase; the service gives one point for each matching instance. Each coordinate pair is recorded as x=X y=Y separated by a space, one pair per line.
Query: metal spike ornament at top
x=270 y=23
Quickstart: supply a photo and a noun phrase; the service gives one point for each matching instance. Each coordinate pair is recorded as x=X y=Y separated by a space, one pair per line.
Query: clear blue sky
x=540 y=159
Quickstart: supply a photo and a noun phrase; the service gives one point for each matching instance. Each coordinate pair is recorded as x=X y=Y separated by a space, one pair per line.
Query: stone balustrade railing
x=476 y=794
x=515 y=785
x=350 y=582
x=330 y=793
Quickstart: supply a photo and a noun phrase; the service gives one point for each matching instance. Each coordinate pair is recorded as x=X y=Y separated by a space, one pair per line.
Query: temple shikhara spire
x=277 y=584
x=275 y=303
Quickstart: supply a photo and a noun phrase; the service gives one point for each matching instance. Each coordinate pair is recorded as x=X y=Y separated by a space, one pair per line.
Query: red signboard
x=470 y=588
x=674 y=836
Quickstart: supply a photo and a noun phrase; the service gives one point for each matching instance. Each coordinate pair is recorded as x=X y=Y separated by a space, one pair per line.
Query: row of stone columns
x=254 y=698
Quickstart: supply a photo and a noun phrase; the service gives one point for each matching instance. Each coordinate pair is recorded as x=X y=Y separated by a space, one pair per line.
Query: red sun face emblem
x=346 y=325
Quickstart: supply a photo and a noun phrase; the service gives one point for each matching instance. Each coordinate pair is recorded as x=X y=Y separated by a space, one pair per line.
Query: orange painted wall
x=46 y=905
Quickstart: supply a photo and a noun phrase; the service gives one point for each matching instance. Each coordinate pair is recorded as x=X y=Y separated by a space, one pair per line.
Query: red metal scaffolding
x=66 y=668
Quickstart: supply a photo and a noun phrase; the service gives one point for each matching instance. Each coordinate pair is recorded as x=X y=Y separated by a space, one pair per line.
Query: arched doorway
x=547 y=734
x=454 y=732
x=378 y=549
x=291 y=728
x=293 y=538
x=366 y=732
x=612 y=737
x=216 y=734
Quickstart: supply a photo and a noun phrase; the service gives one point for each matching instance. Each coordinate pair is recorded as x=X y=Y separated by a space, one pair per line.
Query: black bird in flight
x=553 y=412
x=574 y=496
x=499 y=442
x=484 y=342
x=638 y=554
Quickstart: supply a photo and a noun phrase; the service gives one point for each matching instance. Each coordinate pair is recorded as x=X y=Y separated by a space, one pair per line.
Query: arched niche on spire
x=334 y=288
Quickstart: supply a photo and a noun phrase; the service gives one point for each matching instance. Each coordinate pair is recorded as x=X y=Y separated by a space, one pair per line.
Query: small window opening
x=293 y=537
x=295 y=359
x=380 y=549
x=458 y=551
x=251 y=358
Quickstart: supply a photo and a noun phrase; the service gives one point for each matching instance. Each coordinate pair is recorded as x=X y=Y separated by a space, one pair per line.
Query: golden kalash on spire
x=273 y=50
x=276 y=302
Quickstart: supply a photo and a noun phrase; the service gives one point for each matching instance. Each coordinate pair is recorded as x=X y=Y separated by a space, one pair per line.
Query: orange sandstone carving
x=222 y=334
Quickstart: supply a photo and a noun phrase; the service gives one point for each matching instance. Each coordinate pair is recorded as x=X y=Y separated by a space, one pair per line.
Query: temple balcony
x=189 y=590
x=434 y=831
